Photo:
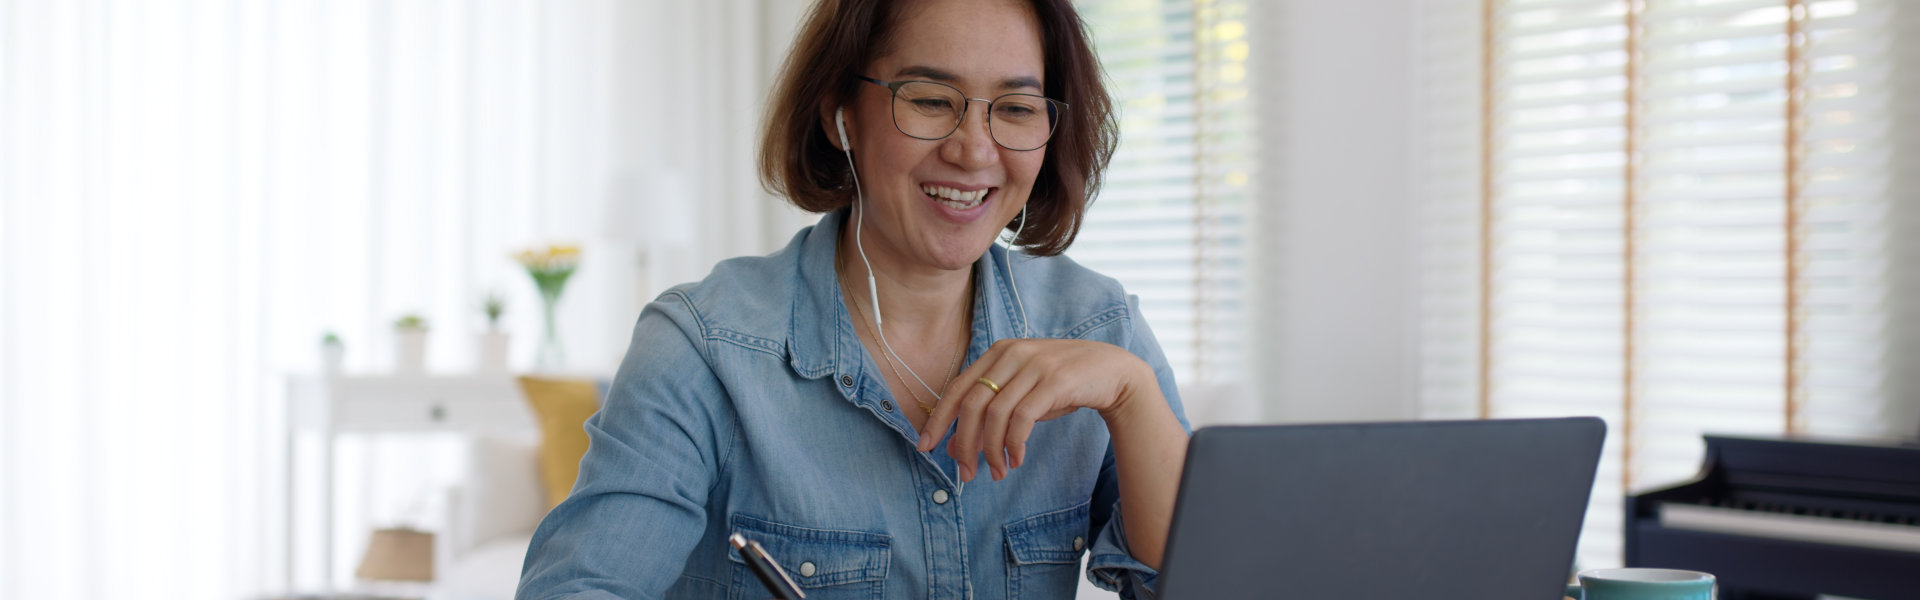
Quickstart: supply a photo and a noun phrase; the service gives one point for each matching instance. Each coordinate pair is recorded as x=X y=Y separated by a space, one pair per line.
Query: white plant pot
x=493 y=351
x=333 y=357
x=410 y=351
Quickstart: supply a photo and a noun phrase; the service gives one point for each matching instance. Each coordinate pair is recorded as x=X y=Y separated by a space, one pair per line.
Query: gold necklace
x=884 y=357
x=953 y=364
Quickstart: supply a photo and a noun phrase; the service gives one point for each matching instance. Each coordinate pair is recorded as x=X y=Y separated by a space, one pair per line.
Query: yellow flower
x=552 y=258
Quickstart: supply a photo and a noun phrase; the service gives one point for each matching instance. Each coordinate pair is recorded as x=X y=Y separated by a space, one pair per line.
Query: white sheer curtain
x=192 y=191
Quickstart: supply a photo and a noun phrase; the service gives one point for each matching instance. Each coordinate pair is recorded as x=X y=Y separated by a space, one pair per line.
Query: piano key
x=1826 y=530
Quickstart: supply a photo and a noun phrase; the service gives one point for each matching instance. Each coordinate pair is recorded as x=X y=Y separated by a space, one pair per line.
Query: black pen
x=770 y=573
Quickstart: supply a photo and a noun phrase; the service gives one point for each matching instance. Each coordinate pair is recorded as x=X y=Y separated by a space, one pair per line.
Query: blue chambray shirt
x=747 y=404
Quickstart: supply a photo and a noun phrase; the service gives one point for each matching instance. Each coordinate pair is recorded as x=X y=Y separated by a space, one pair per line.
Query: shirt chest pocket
x=829 y=564
x=1043 y=553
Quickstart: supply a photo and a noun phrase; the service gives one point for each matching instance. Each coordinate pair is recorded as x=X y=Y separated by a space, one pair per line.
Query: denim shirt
x=747 y=404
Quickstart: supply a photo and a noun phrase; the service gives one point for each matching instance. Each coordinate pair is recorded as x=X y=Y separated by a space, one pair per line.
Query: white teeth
x=955 y=198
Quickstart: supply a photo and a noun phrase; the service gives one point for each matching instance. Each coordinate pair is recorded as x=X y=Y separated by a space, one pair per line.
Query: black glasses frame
x=1055 y=108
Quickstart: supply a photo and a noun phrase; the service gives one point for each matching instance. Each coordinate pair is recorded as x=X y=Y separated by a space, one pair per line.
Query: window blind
x=1851 y=148
x=1170 y=221
x=1555 y=295
x=1681 y=224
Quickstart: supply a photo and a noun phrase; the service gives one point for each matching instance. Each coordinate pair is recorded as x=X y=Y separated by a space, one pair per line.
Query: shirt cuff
x=1111 y=565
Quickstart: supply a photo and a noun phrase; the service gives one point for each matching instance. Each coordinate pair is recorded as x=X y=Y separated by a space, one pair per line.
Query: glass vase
x=551 y=356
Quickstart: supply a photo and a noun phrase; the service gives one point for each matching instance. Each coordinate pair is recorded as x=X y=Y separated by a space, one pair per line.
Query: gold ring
x=991 y=385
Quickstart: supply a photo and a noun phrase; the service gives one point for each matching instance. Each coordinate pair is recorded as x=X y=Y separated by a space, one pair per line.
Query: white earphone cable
x=1024 y=329
x=873 y=292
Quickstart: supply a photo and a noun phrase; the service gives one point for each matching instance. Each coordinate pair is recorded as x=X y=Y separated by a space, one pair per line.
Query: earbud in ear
x=840 y=124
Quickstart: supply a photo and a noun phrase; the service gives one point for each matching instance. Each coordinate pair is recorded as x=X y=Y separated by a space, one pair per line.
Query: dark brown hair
x=837 y=41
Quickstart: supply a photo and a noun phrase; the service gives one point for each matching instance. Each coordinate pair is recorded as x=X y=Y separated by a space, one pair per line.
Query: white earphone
x=840 y=124
x=859 y=219
x=1024 y=325
x=859 y=214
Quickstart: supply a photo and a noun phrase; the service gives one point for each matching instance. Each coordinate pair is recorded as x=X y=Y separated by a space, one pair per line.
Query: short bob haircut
x=841 y=37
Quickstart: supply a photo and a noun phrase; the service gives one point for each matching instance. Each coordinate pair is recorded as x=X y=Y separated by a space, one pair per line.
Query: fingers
x=965 y=447
x=964 y=383
x=936 y=425
x=1018 y=430
x=999 y=424
x=973 y=433
x=944 y=414
x=1001 y=410
x=935 y=428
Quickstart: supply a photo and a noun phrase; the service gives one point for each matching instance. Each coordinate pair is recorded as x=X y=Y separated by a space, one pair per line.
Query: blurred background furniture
x=509 y=485
x=329 y=406
x=489 y=521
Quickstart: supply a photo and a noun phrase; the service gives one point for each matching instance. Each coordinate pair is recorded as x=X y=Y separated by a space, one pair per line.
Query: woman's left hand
x=1040 y=380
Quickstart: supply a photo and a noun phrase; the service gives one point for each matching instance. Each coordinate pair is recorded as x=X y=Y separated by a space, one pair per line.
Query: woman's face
x=924 y=204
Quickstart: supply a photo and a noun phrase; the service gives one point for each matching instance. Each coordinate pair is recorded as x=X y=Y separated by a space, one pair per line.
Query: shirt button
x=887 y=404
x=1079 y=543
x=807 y=569
x=846 y=380
x=939 y=496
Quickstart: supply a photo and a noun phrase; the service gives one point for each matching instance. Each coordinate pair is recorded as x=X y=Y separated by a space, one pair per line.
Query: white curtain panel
x=193 y=191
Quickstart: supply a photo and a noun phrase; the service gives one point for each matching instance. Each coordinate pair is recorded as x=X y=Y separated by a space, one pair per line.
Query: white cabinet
x=330 y=405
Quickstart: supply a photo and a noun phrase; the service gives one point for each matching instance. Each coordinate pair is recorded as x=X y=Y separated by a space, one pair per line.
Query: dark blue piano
x=1789 y=519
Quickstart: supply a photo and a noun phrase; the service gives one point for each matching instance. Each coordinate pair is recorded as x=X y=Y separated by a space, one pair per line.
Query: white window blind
x=1687 y=225
x=1556 y=305
x=1170 y=222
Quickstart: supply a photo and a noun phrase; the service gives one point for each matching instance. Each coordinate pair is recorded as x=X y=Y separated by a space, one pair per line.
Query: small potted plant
x=410 y=344
x=333 y=354
x=493 y=342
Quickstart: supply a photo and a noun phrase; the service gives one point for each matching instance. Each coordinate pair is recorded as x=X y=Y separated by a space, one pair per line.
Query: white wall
x=697 y=86
x=1904 y=383
x=1334 y=225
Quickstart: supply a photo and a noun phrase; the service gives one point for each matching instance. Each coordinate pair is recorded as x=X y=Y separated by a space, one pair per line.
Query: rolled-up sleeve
x=657 y=445
x=1110 y=562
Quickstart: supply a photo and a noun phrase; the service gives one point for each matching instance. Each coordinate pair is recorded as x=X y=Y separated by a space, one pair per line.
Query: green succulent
x=410 y=321
x=494 y=305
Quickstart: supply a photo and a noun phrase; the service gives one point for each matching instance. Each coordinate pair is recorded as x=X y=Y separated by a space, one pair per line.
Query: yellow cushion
x=561 y=407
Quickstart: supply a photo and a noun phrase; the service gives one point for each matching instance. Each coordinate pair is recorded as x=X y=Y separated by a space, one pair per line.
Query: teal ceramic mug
x=1643 y=584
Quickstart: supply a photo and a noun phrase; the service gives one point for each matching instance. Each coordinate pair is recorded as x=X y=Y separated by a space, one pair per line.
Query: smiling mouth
x=956 y=199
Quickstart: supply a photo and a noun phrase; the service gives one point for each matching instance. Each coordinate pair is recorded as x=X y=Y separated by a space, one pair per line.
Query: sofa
x=489 y=520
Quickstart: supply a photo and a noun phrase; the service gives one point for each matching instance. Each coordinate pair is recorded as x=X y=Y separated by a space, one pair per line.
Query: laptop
x=1483 y=510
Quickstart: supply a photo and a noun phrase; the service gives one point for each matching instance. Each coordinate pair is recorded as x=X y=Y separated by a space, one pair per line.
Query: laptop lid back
x=1489 y=510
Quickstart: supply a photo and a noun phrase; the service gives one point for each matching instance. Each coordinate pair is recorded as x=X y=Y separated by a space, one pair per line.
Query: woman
x=834 y=400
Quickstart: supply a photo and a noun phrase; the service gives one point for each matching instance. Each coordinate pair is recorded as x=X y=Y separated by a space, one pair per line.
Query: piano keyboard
x=1886 y=533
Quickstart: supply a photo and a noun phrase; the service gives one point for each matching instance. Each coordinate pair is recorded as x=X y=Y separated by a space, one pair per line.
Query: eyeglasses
x=931 y=110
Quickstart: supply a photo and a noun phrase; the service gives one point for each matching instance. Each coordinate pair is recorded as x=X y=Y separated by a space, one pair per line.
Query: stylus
x=771 y=575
